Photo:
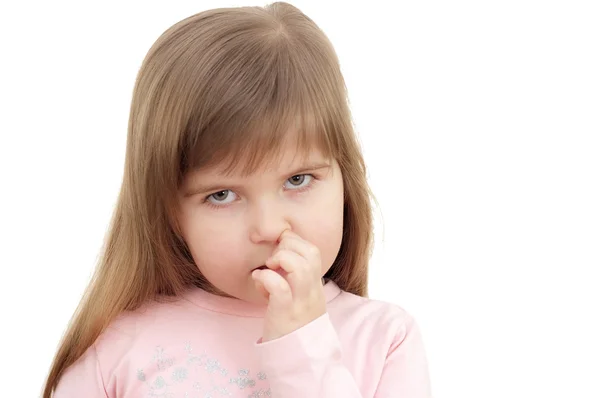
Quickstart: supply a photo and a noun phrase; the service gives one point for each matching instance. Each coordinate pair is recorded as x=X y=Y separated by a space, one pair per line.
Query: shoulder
x=91 y=373
x=132 y=328
x=366 y=313
x=372 y=331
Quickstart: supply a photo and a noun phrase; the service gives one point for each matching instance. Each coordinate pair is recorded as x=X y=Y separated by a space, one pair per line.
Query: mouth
x=262 y=267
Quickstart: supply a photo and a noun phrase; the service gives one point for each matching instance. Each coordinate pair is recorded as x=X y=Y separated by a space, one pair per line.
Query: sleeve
x=406 y=370
x=82 y=379
x=308 y=363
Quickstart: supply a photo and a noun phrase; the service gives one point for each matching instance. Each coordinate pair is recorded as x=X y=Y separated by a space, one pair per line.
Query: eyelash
x=298 y=191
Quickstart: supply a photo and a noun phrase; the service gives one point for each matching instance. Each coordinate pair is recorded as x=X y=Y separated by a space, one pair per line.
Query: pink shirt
x=204 y=345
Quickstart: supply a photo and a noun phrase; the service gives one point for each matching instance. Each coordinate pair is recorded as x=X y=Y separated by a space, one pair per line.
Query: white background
x=480 y=122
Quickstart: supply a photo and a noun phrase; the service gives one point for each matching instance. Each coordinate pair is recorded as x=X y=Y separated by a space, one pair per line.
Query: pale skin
x=296 y=295
x=287 y=218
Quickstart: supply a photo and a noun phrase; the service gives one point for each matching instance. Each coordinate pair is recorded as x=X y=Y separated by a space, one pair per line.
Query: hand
x=293 y=285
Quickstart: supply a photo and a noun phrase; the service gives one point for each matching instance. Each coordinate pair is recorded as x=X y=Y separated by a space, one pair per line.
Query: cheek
x=324 y=228
x=215 y=246
x=328 y=239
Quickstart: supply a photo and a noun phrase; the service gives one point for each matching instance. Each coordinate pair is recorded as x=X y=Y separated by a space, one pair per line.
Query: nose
x=268 y=221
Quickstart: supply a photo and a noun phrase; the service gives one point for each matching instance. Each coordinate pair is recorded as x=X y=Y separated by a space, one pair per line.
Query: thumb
x=261 y=288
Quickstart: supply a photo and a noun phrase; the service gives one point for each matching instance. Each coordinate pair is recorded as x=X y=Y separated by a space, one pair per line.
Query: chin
x=256 y=298
x=260 y=301
x=251 y=296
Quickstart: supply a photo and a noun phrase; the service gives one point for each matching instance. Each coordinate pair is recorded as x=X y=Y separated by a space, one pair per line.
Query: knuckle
x=314 y=251
x=283 y=286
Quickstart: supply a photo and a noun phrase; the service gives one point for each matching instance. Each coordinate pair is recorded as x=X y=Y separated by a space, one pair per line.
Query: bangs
x=243 y=150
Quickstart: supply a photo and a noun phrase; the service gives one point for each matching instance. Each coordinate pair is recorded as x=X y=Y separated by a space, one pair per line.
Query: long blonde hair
x=214 y=86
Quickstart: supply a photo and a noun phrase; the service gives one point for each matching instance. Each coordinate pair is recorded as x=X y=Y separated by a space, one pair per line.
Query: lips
x=262 y=267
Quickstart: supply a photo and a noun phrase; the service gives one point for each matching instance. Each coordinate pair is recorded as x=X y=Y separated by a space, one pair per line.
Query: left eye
x=298 y=181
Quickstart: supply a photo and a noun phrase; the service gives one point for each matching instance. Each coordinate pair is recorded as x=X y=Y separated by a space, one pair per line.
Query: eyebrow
x=215 y=187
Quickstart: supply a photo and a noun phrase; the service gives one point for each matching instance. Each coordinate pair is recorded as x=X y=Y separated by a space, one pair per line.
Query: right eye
x=223 y=197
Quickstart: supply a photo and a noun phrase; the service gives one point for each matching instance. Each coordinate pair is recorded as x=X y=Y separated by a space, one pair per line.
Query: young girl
x=236 y=261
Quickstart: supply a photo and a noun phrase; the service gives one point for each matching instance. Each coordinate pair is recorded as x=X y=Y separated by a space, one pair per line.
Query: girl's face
x=231 y=224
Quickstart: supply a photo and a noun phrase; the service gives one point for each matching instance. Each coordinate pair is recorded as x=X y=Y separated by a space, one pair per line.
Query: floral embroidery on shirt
x=160 y=389
x=206 y=375
x=180 y=374
x=161 y=361
x=260 y=393
x=243 y=381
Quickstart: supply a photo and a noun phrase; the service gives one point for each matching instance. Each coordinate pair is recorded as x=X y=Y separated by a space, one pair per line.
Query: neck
x=210 y=288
